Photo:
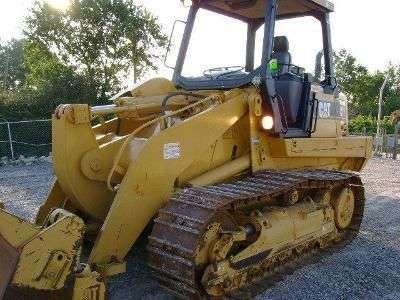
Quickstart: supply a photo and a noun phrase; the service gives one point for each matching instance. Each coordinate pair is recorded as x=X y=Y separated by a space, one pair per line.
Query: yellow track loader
x=239 y=170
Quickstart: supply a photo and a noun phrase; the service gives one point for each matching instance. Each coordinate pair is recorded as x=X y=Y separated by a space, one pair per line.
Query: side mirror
x=174 y=39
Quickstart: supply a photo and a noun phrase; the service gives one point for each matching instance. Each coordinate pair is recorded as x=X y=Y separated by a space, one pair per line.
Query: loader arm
x=149 y=181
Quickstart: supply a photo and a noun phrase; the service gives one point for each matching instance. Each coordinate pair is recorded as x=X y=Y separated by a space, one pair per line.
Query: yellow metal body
x=117 y=174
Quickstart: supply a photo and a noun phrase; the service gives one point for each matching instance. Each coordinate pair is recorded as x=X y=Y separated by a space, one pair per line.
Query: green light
x=273 y=65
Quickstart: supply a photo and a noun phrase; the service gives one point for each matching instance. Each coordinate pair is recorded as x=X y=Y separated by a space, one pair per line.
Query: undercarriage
x=220 y=239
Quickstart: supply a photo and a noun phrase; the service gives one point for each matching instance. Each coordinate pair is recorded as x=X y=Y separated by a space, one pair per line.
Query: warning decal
x=172 y=151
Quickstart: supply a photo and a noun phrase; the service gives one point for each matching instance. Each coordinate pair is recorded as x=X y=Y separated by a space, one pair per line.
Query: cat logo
x=325 y=110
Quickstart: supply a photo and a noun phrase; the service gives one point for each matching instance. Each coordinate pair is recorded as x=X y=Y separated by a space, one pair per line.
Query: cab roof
x=248 y=10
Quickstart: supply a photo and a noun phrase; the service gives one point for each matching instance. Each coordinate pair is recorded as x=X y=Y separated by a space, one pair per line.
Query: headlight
x=267 y=122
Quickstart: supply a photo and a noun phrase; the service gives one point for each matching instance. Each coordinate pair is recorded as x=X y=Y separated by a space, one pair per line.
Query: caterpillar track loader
x=240 y=170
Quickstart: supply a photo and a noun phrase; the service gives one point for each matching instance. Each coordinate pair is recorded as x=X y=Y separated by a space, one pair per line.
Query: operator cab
x=286 y=87
x=290 y=82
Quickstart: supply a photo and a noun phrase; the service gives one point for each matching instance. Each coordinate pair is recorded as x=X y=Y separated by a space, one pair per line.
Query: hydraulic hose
x=175 y=94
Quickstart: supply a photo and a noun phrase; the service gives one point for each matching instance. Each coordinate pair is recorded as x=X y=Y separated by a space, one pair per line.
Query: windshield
x=303 y=48
x=217 y=47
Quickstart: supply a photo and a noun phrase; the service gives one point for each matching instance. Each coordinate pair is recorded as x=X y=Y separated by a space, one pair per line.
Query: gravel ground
x=367 y=269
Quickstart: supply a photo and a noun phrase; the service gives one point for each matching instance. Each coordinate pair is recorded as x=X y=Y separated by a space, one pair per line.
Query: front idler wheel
x=344 y=205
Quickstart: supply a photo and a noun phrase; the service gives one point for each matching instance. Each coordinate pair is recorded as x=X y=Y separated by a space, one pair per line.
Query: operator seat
x=281 y=53
x=291 y=88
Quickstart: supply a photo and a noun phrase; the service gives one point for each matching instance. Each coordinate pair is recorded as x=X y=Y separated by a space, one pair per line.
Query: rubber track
x=180 y=225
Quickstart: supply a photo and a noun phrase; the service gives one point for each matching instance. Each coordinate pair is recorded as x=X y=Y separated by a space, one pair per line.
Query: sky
x=367 y=28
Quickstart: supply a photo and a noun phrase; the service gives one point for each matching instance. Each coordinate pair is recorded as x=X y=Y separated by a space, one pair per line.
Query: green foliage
x=12 y=71
x=52 y=80
x=47 y=84
x=362 y=87
x=367 y=125
x=81 y=55
x=104 y=39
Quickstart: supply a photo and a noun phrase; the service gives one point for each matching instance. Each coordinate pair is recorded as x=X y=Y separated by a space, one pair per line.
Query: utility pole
x=378 y=129
x=379 y=139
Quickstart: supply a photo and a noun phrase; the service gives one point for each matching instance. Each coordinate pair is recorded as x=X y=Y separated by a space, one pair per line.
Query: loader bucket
x=13 y=231
x=39 y=262
x=8 y=262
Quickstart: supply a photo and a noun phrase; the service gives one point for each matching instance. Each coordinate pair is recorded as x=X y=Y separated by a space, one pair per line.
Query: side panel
x=327 y=149
x=233 y=144
x=331 y=114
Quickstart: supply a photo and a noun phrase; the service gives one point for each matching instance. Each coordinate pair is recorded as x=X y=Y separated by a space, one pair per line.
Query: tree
x=12 y=72
x=367 y=125
x=105 y=40
x=48 y=83
x=362 y=87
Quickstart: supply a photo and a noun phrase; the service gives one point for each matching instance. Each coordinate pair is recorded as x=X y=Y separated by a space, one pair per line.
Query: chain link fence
x=387 y=145
x=33 y=139
x=25 y=138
